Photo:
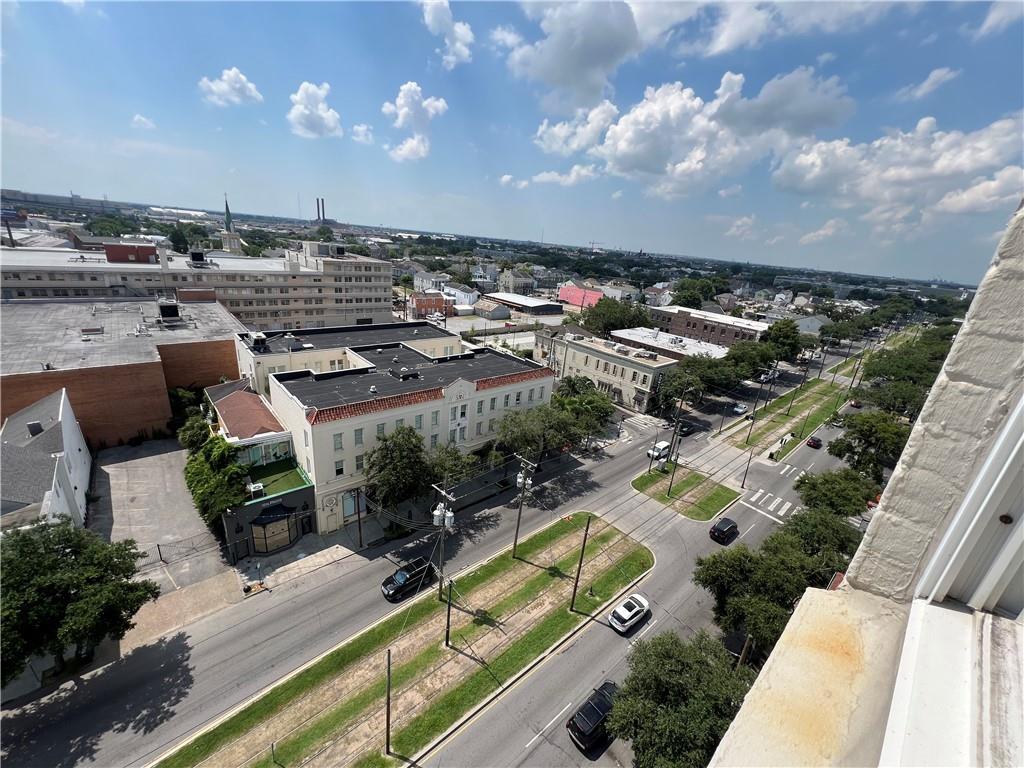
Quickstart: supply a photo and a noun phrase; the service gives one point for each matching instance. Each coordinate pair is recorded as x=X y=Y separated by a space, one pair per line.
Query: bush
x=214 y=479
x=194 y=434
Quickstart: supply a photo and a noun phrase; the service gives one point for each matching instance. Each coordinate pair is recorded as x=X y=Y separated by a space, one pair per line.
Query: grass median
x=350 y=653
x=815 y=419
x=647 y=479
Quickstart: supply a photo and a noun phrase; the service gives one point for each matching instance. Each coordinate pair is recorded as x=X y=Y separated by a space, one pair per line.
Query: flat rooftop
x=325 y=390
x=738 y=322
x=345 y=336
x=679 y=345
x=41 y=332
x=517 y=298
x=603 y=346
x=65 y=259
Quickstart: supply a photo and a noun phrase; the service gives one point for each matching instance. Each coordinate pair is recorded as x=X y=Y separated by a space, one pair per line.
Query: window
x=419 y=421
x=490 y=425
x=494 y=403
x=305 y=439
x=519 y=397
x=643 y=381
x=634 y=377
x=339 y=468
x=451 y=435
x=479 y=407
x=586 y=360
x=615 y=370
x=338 y=443
x=435 y=416
x=507 y=398
x=359 y=436
x=309 y=468
x=529 y=396
x=433 y=441
x=462 y=412
x=359 y=462
x=606 y=367
x=380 y=431
x=454 y=411
x=541 y=395
x=462 y=433
x=479 y=428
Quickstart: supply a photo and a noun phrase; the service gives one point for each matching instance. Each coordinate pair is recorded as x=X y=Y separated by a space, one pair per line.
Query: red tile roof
x=514 y=378
x=243 y=415
x=336 y=412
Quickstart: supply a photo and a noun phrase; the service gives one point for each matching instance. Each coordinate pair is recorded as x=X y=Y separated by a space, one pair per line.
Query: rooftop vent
x=415 y=331
x=394 y=359
x=380 y=351
x=373 y=389
x=34 y=428
x=307 y=346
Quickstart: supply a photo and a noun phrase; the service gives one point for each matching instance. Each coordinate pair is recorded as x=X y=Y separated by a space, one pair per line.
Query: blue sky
x=878 y=138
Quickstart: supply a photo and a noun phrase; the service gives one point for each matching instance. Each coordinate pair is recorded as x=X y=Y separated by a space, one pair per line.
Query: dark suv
x=724 y=530
x=408 y=579
x=586 y=726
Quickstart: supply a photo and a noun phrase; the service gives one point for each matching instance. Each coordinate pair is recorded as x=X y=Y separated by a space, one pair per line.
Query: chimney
x=323 y=209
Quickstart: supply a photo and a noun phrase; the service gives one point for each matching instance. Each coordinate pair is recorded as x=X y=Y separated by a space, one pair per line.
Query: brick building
x=116 y=359
x=723 y=330
x=431 y=302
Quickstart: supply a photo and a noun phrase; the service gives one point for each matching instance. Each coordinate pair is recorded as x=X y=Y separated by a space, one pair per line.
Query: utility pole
x=721 y=426
x=579 y=566
x=824 y=356
x=672 y=450
x=387 y=711
x=444 y=517
x=846 y=356
x=524 y=481
x=753 y=411
x=448 y=621
x=803 y=426
x=802 y=380
x=751 y=456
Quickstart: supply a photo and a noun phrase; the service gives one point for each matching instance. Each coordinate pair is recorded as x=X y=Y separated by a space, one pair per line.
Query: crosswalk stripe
x=759 y=492
x=785 y=468
x=774 y=504
x=785 y=507
x=766 y=497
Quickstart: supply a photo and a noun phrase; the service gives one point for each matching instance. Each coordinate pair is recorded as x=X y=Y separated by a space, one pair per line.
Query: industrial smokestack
x=318 y=216
x=323 y=210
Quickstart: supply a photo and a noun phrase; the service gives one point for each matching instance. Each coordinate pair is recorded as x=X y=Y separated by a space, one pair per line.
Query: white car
x=629 y=613
x=739 y=408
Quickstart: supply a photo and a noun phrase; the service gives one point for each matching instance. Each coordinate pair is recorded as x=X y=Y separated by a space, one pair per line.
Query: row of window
x=615 y=369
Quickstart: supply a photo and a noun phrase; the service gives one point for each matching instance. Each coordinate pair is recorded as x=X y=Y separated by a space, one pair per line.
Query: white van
x=660 y=450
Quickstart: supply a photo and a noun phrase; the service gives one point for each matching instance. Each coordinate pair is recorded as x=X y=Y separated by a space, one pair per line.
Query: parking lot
x=142 y=495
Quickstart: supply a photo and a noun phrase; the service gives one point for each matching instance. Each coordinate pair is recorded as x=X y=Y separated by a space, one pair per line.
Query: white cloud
x=775 y=240
x=936 y=78
x=742 y=228
x=508 y=180
x=35 y=133
x=1003 y=190
x=675 y=140
x=506 y=37
x=362 y=133
x=575 y=175
x=732 y=191
x=929 y=39
x=583 y=44
x=458 y=35
x=580 y=133
x=411 y=110
x=732 y=26
x=830 y=228
x=140 y=121
x=617 y=194
x=825 y=58
x=416 y=147
x=310 y=116
x=655 y=21
x=231 y=88
x=76 y=5
x=1000 y=16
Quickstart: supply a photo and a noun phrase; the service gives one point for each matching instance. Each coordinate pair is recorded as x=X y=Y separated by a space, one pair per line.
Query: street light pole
x=524 y=482
x=753 y=411
x=802 y=380
x=671 y=450
x=743 y=484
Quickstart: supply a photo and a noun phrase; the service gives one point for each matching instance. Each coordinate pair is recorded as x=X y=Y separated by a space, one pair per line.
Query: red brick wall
x=119 y=252
x=198 y=363
x=111 y=403
x=196 y=294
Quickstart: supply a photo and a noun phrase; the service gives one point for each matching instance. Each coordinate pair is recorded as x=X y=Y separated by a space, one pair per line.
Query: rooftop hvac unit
x=307 y=346
x=373 y=389
x=255 y=490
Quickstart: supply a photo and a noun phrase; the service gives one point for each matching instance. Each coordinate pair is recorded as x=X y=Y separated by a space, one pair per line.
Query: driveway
x=142 y=496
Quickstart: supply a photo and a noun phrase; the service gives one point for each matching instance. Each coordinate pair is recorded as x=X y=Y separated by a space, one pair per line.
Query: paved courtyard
x=142 y=495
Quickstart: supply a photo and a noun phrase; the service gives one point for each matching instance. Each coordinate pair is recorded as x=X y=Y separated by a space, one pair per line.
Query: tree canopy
x=591 y=408
x=65 y=587
x=324 y=233
x=751 y=357
x=844 y=492
x=397 y=467
x=538 y=430
x=677 y=700
x=609 y=315
x=870 y=441
x=784 y=336
x=213 y=477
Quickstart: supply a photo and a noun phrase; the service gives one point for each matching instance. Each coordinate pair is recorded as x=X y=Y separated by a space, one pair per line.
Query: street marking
x=785 y=506
x=766 y=497
x=550 y=723
x=800 y=475
x=760 y=512
x=759 y=492
x=644 y=631
x=774 y=504
x=784 y=468
x=809 y=466
x=747 y=531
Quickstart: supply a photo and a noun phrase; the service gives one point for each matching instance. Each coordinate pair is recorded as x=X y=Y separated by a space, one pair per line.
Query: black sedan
x=587 y=725
x=408 y=579
x=724 y=530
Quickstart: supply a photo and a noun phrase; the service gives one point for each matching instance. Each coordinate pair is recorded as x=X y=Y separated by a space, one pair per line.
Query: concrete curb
x=519 y=676
x=268 y=688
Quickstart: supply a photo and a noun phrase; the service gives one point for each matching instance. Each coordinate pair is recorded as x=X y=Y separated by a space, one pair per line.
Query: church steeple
x=227 y=215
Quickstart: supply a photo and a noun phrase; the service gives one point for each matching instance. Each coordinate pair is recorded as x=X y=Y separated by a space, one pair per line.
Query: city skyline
x=756 y=133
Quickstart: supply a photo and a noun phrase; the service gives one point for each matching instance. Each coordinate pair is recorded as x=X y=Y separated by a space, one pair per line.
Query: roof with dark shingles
x=28 y=461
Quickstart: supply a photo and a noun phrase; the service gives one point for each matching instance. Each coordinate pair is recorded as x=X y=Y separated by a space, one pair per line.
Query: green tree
x=784 y=336
x=677 y=700
x=398 y=468
x=687 y=298
x=179 y=241
x=844 y=492
x=65 y=587
x=870 y=441
x=897 y=397
x=677 y=384
x=214 y=479
x=324 y=234
x=751 y=357
x=579 y=398
x=112 y=225
x=609 y=315
x=534 y=432
x=194 y=434
x=449 y=465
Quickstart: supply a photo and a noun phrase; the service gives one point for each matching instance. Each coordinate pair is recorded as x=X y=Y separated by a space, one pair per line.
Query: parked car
x=659 y=451
x=685 y=428
x=739 y=408
x=629 y=613
x=408 y=579
x=724 y=530
x=587 y=725
x=814 y=442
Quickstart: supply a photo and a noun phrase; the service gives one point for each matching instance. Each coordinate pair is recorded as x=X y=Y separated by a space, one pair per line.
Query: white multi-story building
x=337 y=417
x=317 y=287
x=334 y=349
